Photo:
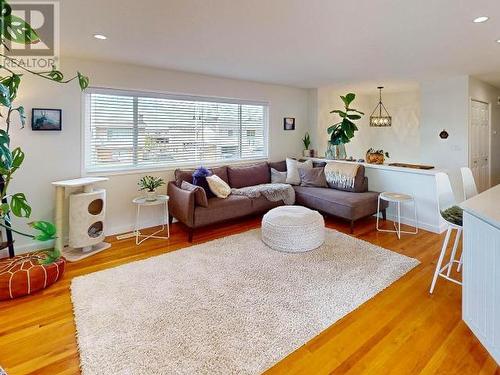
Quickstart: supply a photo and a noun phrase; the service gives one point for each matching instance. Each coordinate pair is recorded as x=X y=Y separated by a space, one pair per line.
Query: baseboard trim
x=421 y=225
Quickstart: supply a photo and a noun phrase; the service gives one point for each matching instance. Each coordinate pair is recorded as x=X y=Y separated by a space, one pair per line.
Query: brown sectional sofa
x=348 y=205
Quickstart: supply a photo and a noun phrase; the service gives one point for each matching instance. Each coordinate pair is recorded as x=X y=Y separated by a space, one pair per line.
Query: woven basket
x=374 y=158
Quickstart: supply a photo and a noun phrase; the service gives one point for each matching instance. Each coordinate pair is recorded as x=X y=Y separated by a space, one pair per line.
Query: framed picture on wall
x=289 y=123
x=46 y=119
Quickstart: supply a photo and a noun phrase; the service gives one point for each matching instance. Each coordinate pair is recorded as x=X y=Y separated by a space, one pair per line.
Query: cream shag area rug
x=230 y=306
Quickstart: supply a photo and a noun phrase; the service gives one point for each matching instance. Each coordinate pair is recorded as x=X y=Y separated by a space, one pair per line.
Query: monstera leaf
x=56 y=75
x=47 y=230
x=5 y=153
x=4 y=95
x=19 y=205
x=83 y=81
x=22 y=115
x=17 y=159
x=17 y=30
x=12 y=83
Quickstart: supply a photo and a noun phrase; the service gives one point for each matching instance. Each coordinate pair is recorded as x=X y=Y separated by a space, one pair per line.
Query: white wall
x=401 y=140
x=444 y=105
x=418 y=116
x=482 y=91
x=52 y=156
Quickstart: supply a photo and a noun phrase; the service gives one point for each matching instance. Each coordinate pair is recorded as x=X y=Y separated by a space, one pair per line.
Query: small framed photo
x=46 y=119
x=289 y=123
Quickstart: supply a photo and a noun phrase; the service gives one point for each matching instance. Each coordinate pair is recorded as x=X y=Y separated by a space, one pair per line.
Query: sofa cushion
x=313 y=177
x=278 y=177
x=292 y=170
x=187 y=174
x=200 y=195
x=348 y=205
x=359 y=182
x=248 y=175
x=218 y=186
x=220 y=209
x=278 y=165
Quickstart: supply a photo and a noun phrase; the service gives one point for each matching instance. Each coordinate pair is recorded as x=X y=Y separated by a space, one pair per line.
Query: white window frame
x=85 y=120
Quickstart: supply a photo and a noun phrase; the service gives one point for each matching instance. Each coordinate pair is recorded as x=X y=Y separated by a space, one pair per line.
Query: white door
x=479 y=144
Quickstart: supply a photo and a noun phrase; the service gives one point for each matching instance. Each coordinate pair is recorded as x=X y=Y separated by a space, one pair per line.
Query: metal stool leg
x=440 y=260
x=453 y=252
x=460 y=262
x=378 y=209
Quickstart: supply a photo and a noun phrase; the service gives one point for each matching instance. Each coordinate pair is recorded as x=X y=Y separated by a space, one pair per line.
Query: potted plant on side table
x=150 y=184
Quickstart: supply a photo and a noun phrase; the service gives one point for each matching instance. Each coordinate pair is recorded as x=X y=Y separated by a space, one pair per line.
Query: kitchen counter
x=485 y=206
x=481 y=272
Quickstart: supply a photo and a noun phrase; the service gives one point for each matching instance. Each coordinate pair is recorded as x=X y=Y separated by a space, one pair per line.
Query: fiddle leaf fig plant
x=342 y=132
x=17 y=30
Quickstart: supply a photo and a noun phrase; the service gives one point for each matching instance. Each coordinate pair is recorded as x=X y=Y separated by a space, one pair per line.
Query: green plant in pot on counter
x=150 y=184
x=307 y=143
x=342 y=131
x=16 y=31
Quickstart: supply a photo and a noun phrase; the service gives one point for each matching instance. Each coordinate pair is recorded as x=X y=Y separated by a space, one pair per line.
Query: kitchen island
x=481 y=274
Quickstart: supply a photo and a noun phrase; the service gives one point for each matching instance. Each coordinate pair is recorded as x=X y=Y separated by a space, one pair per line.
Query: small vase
x=150 y=196
x=336 y=152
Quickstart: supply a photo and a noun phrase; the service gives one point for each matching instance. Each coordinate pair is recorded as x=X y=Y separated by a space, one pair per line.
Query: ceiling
x=303 y=43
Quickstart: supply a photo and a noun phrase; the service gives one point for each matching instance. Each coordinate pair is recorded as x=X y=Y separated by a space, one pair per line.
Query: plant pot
x=24 y=275
x=372 y=158
x=308 y=153
x=150 y=196
x=337 y=152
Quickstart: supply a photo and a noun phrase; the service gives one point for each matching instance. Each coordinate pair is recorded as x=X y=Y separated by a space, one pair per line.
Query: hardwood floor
x=403 y=330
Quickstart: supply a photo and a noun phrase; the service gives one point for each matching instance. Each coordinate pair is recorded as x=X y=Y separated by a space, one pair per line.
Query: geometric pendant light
x=380 y=116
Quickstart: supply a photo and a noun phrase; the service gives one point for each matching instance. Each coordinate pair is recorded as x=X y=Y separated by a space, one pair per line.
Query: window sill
x=142 y=170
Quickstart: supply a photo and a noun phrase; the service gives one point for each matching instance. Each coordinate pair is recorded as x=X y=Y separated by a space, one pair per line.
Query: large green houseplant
x=16 y=30
x=342 y=131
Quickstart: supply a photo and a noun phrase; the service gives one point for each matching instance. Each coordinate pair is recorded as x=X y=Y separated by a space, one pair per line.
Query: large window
x=129 y=130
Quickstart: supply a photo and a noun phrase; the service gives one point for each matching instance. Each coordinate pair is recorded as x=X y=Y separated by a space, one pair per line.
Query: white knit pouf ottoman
x=293 y=229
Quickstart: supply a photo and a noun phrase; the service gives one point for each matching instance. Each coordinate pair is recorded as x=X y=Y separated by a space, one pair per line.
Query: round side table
x=140 y=202
x=398 y=199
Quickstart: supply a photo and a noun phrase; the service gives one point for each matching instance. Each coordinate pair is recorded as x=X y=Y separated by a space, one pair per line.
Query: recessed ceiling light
x=100 y=36
x=481 y=19
x=498 y=40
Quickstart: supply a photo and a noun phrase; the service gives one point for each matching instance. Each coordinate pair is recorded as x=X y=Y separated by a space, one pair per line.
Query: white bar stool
x=446 y=199
x=399 y=199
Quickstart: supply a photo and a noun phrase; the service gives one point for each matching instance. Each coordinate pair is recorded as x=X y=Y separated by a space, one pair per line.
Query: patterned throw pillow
x=278 y=177
x=292 y=170
x=453 y=214
x=200 y=196
x=200 y=179
x=218 y=186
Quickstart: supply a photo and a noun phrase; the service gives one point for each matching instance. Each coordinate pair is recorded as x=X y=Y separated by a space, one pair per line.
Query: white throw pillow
x=278 y=177
x=292 y=170
x=218 y=186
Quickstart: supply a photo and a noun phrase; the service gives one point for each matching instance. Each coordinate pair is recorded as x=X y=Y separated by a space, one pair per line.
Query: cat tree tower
x=87 y=209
